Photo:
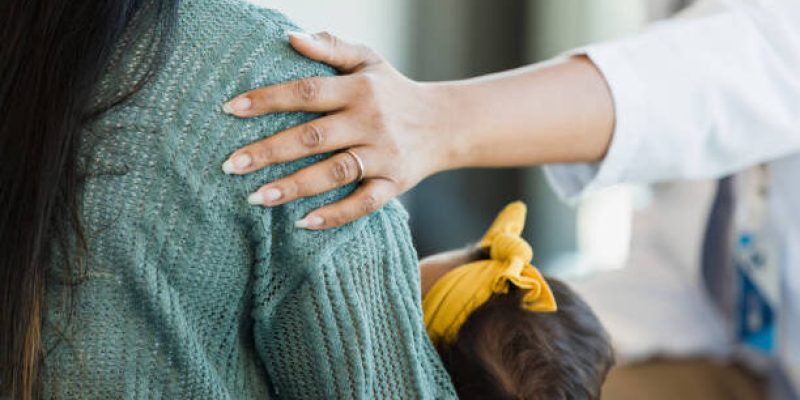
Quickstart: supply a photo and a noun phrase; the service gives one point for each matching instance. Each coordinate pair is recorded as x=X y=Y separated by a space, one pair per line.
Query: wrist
x=451 y=130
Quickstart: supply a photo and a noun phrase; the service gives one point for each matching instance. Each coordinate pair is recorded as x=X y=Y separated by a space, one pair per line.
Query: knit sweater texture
x=188 y=292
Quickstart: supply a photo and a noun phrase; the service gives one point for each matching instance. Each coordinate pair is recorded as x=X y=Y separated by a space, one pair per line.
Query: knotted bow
x=462 y=290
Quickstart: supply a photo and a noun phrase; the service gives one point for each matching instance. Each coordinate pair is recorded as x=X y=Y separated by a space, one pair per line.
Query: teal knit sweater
x=187 y=292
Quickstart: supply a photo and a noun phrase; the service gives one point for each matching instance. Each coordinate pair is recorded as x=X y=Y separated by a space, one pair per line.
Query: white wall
x=383 y=25
x=563 y=24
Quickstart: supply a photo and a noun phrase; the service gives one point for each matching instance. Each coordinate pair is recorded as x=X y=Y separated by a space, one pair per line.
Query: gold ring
x=360 y=163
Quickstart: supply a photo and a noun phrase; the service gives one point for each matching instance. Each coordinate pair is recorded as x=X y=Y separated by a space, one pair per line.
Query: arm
x=556 y=112
x=691 y=98
x=406 y=131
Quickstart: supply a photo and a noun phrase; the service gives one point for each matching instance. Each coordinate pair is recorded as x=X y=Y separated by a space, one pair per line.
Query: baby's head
x=506 y=352
x=503 y=330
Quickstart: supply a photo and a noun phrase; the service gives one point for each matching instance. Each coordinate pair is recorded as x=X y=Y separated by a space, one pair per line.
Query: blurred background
x=631 y=251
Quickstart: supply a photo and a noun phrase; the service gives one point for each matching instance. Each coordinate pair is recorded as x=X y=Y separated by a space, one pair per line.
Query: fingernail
x=300 y=35
x=271 y=195
x=263 y=197
x=309 y=222
x=255 y=199
x=239 y=104
x=237 y=164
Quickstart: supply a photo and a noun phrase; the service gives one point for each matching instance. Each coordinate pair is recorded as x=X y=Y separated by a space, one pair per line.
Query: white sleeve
x=698 y=98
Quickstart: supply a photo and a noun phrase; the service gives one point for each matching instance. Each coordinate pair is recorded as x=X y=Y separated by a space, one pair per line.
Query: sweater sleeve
x=337 y=313
x=698 y=97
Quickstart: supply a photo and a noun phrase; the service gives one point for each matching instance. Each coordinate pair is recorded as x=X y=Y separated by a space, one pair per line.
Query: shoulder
x=221 y=48
x=235 y=45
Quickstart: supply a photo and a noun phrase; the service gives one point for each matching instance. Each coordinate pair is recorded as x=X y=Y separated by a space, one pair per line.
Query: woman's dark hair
x=505 y=352
x=52 y=53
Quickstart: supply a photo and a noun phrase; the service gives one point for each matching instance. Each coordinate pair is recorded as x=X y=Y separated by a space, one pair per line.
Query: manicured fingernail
x=300 y=35
x=239 y=104
x=263 y=197
x=255 y=199
x=309 y=222
x=237 y=164
x=271 y=195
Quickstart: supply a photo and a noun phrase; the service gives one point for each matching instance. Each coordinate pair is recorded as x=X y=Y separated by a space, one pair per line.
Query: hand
x=392 y=124
x=402 y=131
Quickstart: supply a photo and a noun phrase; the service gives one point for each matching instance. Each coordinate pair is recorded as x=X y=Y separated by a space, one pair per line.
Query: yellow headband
x=459 y=292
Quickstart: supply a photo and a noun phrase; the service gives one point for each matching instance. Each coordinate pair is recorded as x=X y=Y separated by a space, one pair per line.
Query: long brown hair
x=53 y=52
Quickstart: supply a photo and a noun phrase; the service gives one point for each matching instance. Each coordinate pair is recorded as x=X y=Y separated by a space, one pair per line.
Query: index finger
x=331 y=50
x=315 y=94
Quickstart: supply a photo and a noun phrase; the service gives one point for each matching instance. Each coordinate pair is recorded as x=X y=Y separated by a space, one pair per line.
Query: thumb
x=331 y=50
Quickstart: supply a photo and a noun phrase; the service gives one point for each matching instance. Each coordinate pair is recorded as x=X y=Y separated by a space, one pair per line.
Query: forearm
x=556 y=112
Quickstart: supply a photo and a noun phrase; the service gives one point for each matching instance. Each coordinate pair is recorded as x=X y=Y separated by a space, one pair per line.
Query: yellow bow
x=462 y=290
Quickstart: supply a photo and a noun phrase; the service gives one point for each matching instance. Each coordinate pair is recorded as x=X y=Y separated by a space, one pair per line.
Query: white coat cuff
x=572 y=181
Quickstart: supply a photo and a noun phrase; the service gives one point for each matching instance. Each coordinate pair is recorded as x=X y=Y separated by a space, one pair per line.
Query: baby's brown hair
x=506 y=352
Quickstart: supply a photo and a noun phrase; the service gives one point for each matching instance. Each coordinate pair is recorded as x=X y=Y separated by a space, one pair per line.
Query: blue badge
x=756 y=298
